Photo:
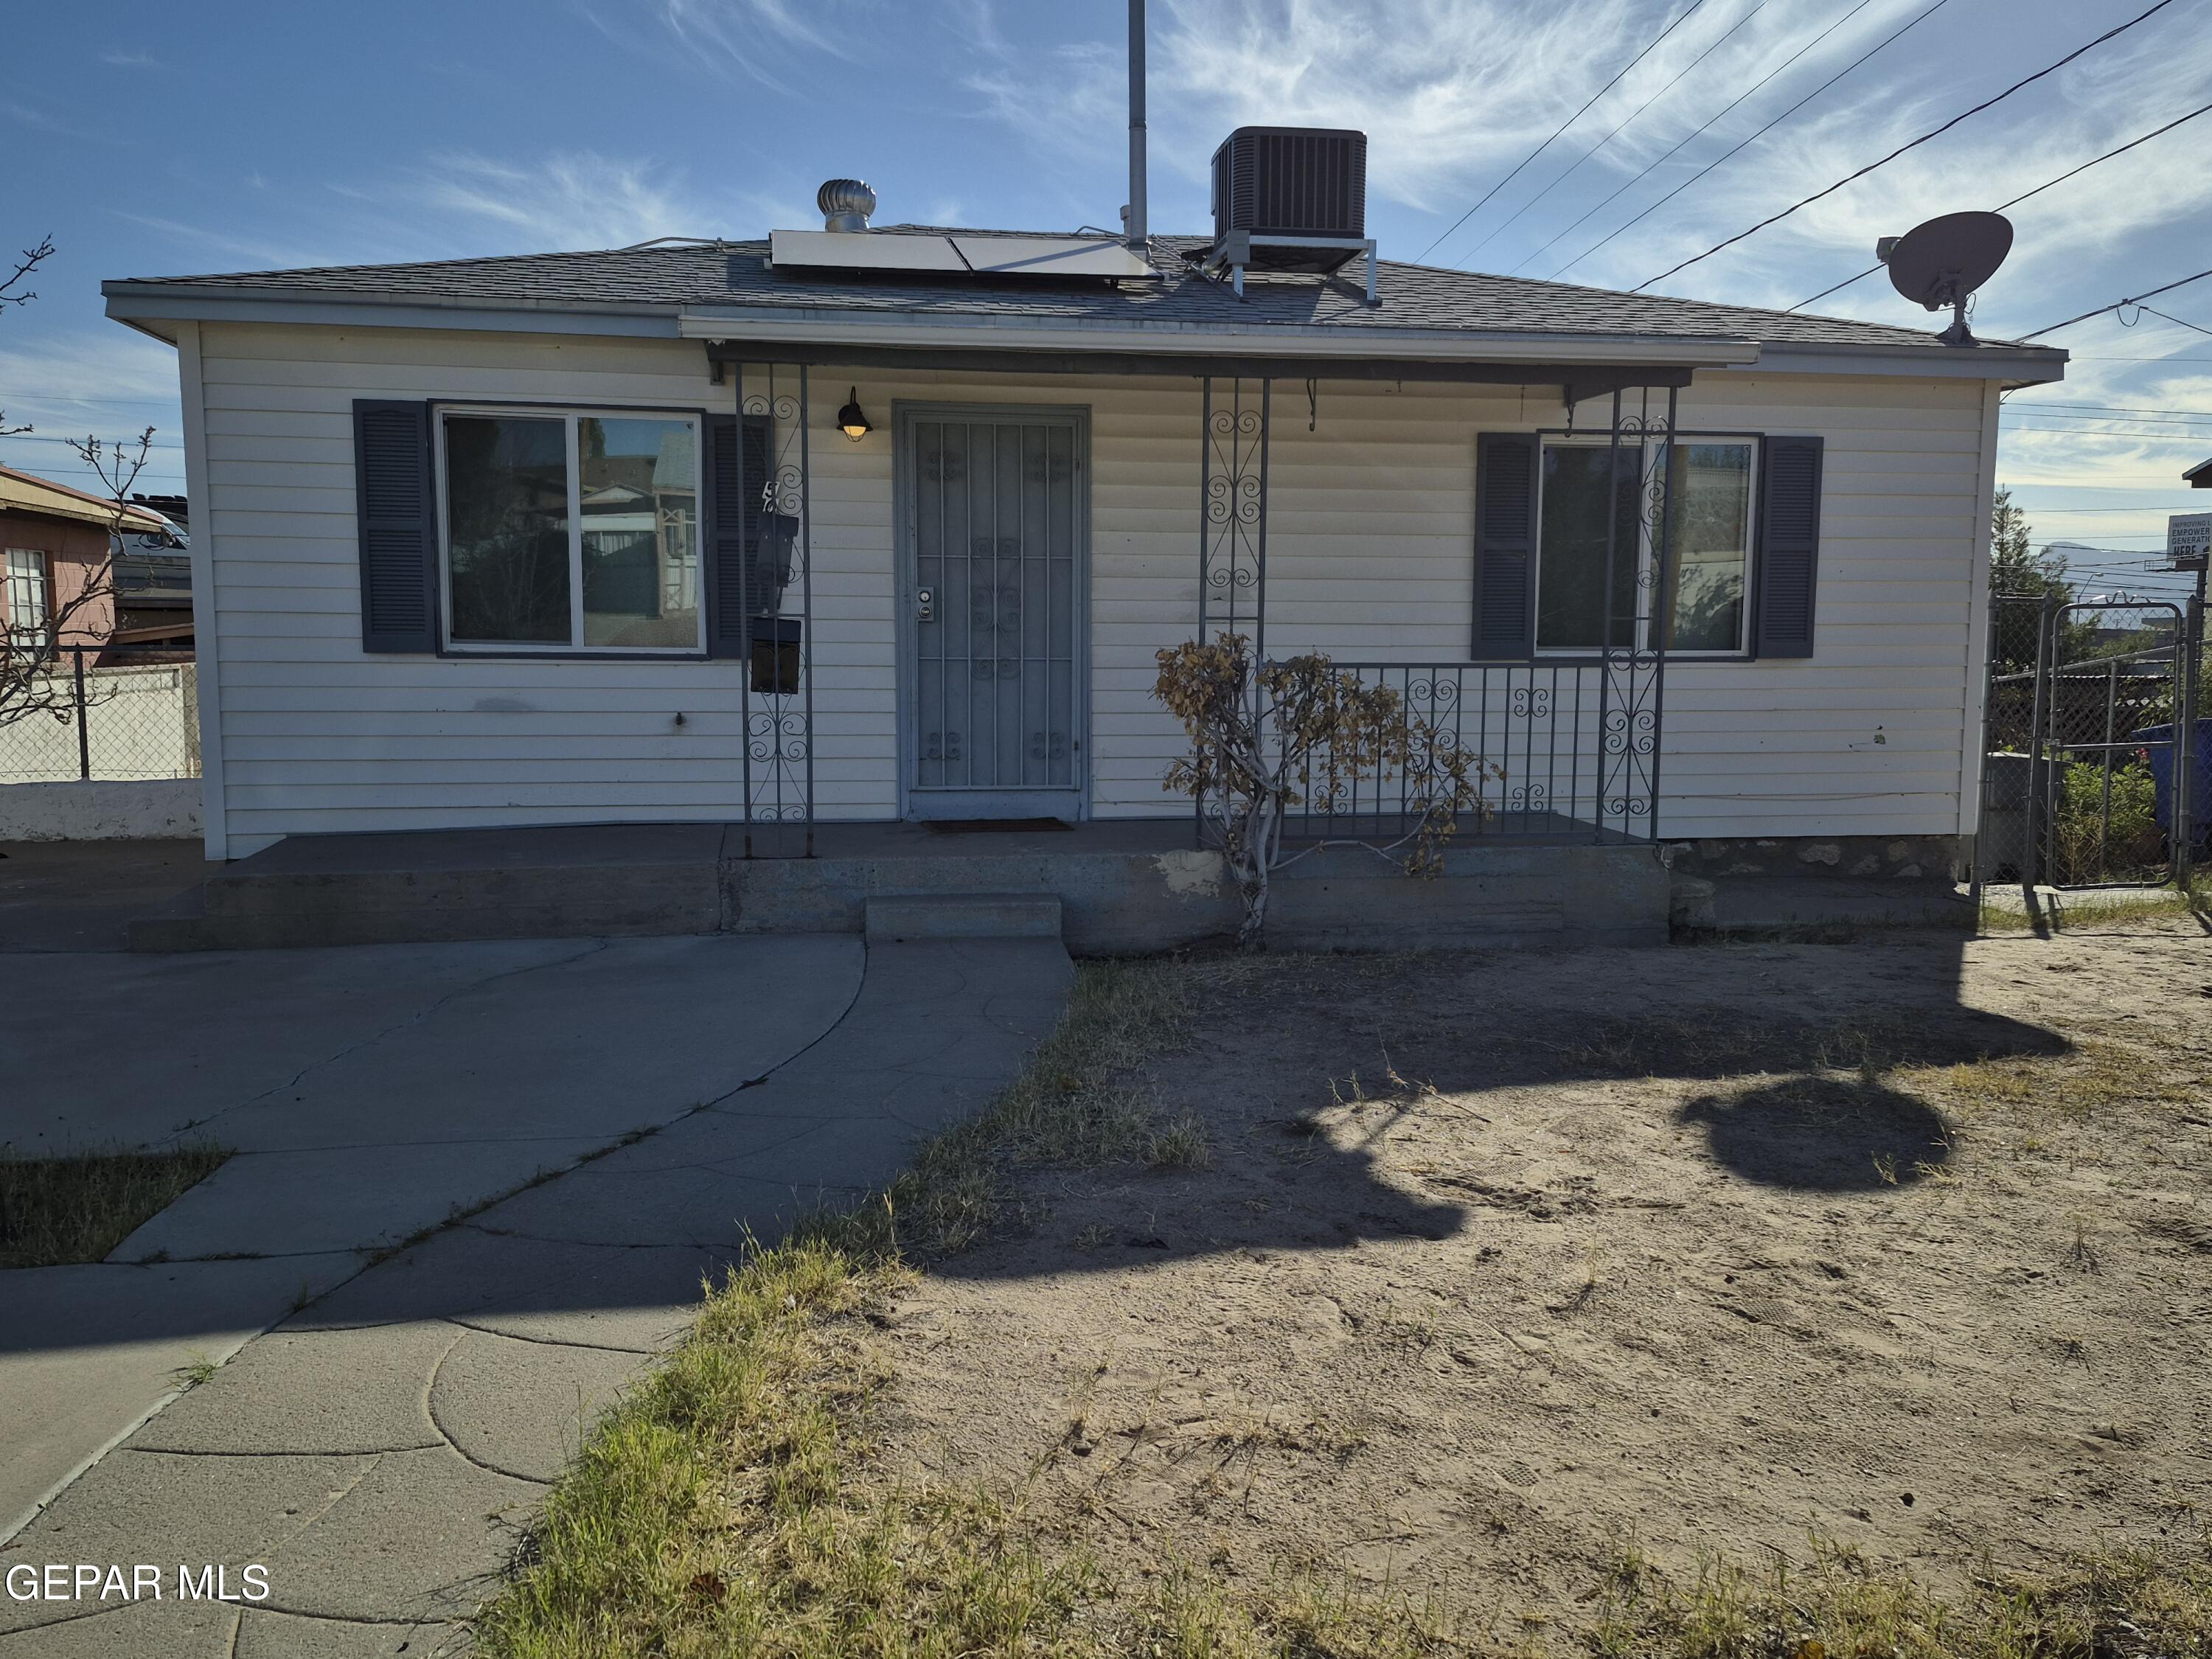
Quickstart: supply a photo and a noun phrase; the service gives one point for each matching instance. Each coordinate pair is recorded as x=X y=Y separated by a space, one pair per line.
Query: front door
x=994 y=565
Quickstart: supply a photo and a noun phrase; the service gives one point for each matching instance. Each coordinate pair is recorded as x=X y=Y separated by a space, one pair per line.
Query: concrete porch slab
x=1121 y=885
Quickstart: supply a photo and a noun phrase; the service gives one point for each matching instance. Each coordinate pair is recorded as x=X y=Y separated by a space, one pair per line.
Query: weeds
x=55 y=1210
x=2116 y=1603
x=1180 y=1144
x=1070 y=1108
x=196 y=1371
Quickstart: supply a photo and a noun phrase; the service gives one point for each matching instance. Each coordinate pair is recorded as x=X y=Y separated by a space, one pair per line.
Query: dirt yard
x=1499 y=1264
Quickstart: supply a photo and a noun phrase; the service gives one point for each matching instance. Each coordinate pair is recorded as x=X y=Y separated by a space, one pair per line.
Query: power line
x=2024 y=195
x=2110 y=409
x=1563 y=126
x=2039 y=411
x=1721 y=41
x=71 y=397
x=2190 y=425
x=2183 y=321
x=1699 y=133
x=1937 y=132
x=1754 y=138
x=2117 y=305
x=31 y=438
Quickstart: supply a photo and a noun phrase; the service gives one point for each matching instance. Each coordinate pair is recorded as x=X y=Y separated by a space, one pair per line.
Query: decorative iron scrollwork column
x=1633 y=653
x=1232 y=526
x=778 y=652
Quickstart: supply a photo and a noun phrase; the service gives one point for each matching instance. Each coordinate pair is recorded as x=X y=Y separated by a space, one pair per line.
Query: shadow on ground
x=1820 y=1134
x=1304 y=1079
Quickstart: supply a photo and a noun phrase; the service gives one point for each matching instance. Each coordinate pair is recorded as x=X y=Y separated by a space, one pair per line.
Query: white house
x=881 y=524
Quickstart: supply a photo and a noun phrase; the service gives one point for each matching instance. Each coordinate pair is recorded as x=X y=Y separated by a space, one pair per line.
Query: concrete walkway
x=379 y=1449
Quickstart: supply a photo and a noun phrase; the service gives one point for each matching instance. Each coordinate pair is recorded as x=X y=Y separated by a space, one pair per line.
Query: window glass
x=28 y=605
x=1710 y=546
x=639 y=492
x=1572 y=608
x=506 y=528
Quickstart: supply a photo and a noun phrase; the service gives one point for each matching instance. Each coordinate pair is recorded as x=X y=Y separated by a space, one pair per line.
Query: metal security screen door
x=994 y=566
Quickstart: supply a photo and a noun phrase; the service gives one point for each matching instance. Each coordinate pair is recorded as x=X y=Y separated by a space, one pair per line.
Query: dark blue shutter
x=397 y=512
x=1504 y=545
x=735 y=475
x=1788 y=545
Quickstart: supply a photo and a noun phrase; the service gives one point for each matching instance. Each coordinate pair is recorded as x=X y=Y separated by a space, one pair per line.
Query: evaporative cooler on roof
x=1299 y=194
x=1290 y=199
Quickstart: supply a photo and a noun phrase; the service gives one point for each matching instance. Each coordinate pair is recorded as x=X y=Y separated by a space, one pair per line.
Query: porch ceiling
x=1582 y=378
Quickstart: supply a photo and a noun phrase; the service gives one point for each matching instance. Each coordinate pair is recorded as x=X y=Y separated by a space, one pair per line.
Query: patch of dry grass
x=2117 y=1603
x=2097 y=1075
x=57 y=1211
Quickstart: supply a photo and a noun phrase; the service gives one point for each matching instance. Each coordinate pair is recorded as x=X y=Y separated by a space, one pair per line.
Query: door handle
x=925 y=604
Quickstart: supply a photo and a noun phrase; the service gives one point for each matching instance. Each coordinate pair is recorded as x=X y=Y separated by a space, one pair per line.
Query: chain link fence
x=2094 y=769
x=116 y=713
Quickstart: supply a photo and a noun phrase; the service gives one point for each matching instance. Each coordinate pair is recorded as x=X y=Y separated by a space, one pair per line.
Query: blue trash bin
x=2200 y=779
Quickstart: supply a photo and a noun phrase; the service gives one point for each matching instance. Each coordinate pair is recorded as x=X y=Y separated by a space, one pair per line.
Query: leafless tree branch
x=37 y=670
x=13 y=294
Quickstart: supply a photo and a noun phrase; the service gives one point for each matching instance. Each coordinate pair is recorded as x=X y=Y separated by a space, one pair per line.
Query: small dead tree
x=1268 y=738
x=32 y=680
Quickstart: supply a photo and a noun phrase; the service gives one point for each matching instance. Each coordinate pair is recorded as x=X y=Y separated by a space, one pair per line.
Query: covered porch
x=983 y=597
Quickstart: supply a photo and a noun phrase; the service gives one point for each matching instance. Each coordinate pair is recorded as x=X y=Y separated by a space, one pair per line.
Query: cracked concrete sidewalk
x=379 y=1450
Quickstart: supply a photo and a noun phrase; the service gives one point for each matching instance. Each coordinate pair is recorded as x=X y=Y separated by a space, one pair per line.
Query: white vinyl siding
x=1371 y=526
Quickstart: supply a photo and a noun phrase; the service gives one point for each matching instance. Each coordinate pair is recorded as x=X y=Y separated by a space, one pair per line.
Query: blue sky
x=157 y=139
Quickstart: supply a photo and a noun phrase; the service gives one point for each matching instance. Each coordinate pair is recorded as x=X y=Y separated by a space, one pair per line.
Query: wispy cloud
x=758 y=39
x=130 y=60
x=80 y=382
x=580 y=199
x=236 y=247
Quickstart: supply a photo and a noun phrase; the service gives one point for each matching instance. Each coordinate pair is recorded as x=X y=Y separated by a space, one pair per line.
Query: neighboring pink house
x=53 y=541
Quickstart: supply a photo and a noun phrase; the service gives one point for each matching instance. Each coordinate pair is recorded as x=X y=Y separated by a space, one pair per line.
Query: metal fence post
x=2046 y=617
x=2185 y=806
x=83 y=729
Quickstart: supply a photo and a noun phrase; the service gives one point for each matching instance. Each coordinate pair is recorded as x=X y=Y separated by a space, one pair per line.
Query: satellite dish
x=1942 y=262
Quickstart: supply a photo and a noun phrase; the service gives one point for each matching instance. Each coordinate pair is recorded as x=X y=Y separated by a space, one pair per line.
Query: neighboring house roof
x=22 y=492
x=711 y=285
x=2200 y=476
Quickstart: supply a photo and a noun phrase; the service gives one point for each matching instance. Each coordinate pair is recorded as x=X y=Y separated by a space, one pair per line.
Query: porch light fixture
x=854 y=424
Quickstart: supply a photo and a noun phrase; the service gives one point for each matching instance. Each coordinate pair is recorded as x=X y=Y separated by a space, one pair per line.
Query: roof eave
x=1316 y=342
x=2016 y=365
x=147 y=304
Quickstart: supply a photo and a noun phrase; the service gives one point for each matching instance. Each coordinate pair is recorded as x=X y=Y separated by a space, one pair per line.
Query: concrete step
x=963 y=915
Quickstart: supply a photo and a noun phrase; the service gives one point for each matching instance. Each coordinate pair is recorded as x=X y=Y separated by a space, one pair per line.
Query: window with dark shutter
x=399 y=539
x=1788 y=545
x=1504 y=544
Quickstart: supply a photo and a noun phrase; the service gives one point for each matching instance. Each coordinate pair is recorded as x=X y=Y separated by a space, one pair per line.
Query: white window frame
x=26 y=566
x=568 y=414
x=1643 y=445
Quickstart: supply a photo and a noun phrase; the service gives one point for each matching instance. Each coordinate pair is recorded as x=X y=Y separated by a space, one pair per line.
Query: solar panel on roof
x=863 y=250
x=982 y=256
x=1050 y=256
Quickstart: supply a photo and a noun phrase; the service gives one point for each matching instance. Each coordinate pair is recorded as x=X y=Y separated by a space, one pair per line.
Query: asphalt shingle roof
x=736 y=274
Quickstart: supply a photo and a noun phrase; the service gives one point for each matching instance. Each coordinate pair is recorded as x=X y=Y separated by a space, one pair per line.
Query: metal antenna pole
x=1137 y=236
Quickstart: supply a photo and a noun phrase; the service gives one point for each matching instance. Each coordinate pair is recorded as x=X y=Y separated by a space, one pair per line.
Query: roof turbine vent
x=846 y=204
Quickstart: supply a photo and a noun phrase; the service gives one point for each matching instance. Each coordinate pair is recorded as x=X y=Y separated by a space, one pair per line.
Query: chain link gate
x=2094 y=764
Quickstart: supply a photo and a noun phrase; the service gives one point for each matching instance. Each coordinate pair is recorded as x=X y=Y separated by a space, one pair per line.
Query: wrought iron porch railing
x=1574 y=745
